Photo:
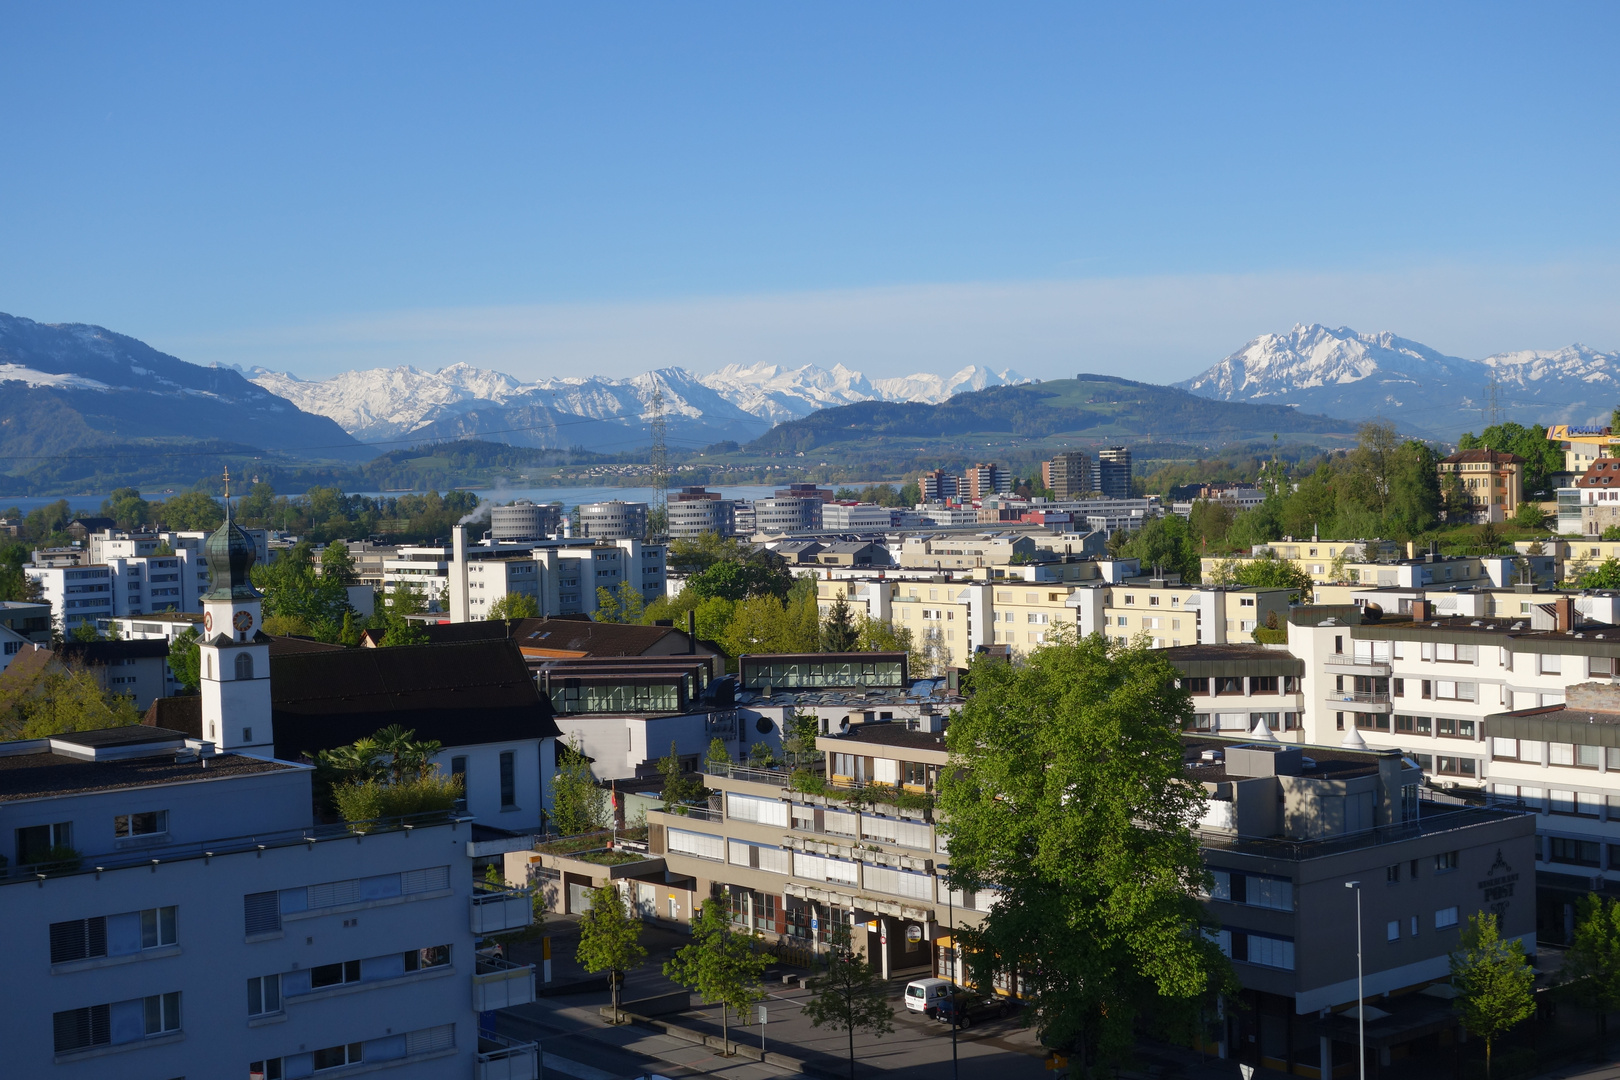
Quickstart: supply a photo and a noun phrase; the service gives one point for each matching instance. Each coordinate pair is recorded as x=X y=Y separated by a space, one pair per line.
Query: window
x=265 y=1070
x=335 y=1057
x=1195 y=686
x=334 y=974
x=508 y=780
x=158 y=927
x=1445 y=917
x=77 y=1029
x=1456 y=766
x=150 y=823
x=1227 y=684
x=1549 y=663
x=1263 y=684
x=1445 y=862
x=264 y=995
x=112 y=935
x=1392 y=873
x=1560 y=753
x=244 y=666
x=458 y=772
x=162 y=1013
x=34 y=843
x=261 y=913
x=424 y=959
x=1268 y=951
x=1398 y=687
x=1392 y=932
x=1575 y=852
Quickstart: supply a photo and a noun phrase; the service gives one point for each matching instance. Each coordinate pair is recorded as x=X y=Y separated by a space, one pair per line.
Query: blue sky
x=553 y=189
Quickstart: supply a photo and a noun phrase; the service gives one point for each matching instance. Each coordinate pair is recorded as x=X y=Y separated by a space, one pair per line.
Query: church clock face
x=208 y=622
x=243 y=621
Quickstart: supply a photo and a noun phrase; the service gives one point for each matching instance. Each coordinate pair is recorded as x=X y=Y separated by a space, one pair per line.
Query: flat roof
x=1202 y=661
x=889 y=734
x=32 y=776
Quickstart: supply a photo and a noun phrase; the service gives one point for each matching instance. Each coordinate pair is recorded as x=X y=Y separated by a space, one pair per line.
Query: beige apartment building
x=1492 y=481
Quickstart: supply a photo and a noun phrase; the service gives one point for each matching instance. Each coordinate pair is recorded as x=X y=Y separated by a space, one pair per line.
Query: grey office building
x=1114 y=472
x=613 y=520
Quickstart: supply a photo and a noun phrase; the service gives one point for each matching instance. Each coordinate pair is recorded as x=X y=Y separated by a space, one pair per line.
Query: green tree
x=721 y=965
x=609 y=939
x=185 y=660
x=58 y=698
x=338 y=565
x=849 y=996
x=718 y=755
x=1067 y=796
x=1370 y=464
x=1165 y=545
x=127 y=508
x=578 y=803
x=679 y=789
x=838 y=630
x=190 y=512
x=1210 y=521
x=1530 y=516
x=1611 y=533
x=403 y=600
x=1605 y=575
x=757 y=626
x=297 y=600
x=1495 y=985
x=1591 y=968
x=1273 y=573
x=621 y=604
x=514 y=606
x=799 y=733
x=1414 y=490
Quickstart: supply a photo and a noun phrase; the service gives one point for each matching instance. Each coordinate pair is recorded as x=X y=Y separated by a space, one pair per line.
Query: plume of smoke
x=479 y=512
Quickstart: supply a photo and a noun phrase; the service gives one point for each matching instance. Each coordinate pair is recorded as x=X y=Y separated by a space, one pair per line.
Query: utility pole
x=950 y=915
x=660 y=453
x=1361 y=997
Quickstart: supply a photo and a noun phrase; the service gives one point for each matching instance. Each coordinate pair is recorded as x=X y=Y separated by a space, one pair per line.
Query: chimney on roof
x=1420 y=610
x=1564 y=614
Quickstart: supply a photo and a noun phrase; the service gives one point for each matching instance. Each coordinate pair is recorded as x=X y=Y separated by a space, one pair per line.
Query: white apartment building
x=425 y=568
x=175 y=910
x=855 y=517
x=562 y=575
x=75 y=593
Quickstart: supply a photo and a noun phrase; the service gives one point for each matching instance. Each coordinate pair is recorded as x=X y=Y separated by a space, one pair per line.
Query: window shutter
x=261 y=913
x=432 y=879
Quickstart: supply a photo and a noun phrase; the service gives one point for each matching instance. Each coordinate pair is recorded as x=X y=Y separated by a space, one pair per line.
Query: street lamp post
x=1361 y=999
x=950 y=914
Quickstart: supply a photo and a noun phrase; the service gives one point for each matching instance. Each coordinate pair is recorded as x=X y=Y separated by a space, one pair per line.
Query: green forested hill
x=1087 y=409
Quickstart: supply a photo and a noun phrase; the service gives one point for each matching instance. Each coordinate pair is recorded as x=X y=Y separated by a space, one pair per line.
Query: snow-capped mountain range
x=1342 y=373
x=737 y=402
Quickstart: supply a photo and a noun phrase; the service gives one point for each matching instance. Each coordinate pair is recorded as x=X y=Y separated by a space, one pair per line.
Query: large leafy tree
x=1494 y=982
x=1592 y=966
x=1605 y=575
x=185 y=660
x=297 y=600
x=609 y=939
x=1067 y=796
x=1165 y=545
x=849 y=996
x=514 y=606
x=720 y=964
x=578 y=803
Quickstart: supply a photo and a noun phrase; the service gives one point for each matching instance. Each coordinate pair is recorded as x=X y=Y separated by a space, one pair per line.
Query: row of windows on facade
x=1233 y=685
x=263 y=911
x=388 y=1048
x=35 y=842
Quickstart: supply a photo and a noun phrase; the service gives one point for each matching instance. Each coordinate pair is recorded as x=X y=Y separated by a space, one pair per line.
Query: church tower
x=235 y=652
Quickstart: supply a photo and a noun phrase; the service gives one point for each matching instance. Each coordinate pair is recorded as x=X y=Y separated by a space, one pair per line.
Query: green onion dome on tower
x=230 y=554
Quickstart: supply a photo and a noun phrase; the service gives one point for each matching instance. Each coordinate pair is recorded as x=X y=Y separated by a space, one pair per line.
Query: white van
x=924 y=995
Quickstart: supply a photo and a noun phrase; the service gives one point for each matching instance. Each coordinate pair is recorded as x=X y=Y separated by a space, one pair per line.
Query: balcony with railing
x=1349 y=664
x=501 y=984
x=1432 y=818
x=501 y=1058
x=495 y=911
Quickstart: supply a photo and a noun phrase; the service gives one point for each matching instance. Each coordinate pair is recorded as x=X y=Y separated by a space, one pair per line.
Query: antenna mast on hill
x=659 y=456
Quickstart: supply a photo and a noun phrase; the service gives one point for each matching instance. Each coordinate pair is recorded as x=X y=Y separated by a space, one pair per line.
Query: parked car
x=924 y=995
x=965 y=1009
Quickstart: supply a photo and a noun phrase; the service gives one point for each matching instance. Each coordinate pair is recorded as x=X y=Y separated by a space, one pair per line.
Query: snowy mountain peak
x=1343 y=373
x=744 y=399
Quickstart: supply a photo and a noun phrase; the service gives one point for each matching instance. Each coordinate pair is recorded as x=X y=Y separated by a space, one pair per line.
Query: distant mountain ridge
x=1343 y=373
x=68 y=387
x=737 y=402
